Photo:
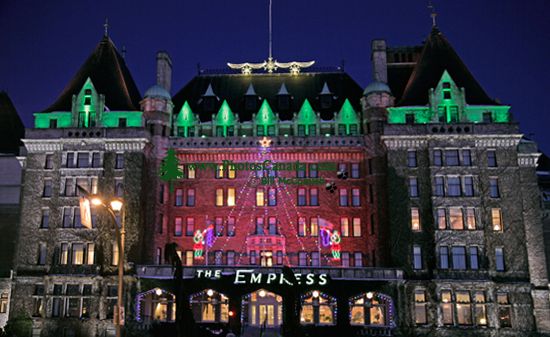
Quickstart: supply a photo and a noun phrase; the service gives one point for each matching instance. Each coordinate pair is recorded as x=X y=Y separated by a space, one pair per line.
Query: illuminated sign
x=250 y=276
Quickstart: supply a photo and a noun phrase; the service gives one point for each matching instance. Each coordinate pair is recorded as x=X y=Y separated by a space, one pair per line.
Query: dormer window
x=446 y=85
x=260 y=130
x=409 y=119
x=353 y=130
x=301 y=130
x=53 y=123
x=219 y=131
x=312 y=130
x=87 y=101
x=446 y=95
x=122 y=122
x=487 y=117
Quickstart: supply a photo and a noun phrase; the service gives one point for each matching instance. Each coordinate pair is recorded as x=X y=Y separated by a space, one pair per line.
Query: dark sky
x=505 y=43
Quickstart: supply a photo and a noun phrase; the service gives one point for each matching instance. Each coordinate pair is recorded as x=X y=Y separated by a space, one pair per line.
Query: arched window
x=156 y=305
x=318 y=308
x=372 y=309
x=210 y=306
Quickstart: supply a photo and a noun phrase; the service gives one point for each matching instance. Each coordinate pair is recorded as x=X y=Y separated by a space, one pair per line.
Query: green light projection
x=448 y=105
x=347 y=116
x=87 y=105
x=185 y=120
x=265 y=117
x=225 y=121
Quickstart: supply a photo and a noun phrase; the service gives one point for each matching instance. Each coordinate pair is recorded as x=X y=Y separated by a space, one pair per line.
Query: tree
x=18 y=326
x=169 y=169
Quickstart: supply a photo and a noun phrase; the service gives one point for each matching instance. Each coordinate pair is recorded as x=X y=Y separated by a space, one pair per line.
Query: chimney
x=379 y=63
x=164 y=70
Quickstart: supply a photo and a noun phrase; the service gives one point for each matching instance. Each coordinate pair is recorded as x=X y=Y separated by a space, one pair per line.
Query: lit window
x=302 y=226
x=441 y=218
x=4 y=303
x=279 y=257
x=356 y=227
x=471 y=218
x=230 y=196
x=480 y=308
x=463 y=308
x=260 y=200
x=90 y=253
x=420 y=306
x=415 y=219
x=447 y=307
x=411 y=158
x=344 y=226
x=499 y=259
x=455 y=218
x=219 y=197
x=77 y=254
x=189 y=256
x=231 y=172
x=301 y=171
x=417 y=257
x=318 y=308
x=370 y=309
x=64 y=256
x=219 y=171
x=504 y=310
x=314 y=226
x=491 y=158
x=159 y=256
x=191 y=173
x=496 y=219
x=343 y=197
x=210 y=306
x=459 y=257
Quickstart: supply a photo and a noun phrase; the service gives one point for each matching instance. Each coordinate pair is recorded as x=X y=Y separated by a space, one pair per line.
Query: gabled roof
x=11 y=127
x=437 y=56
x=233 y=87
x=110 y=76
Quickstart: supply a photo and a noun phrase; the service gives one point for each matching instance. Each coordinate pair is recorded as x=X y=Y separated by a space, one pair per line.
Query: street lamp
x=112 y=206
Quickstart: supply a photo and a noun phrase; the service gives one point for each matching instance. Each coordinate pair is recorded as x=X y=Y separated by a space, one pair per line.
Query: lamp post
x=115 y=205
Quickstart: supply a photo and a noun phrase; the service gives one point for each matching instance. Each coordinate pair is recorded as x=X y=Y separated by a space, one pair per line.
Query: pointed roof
x=250 y=91
x=11 y=127
x=283 y=90
x=437 y=56
x=108 y=71
x=209 y=91
x=325 y=90
x=265 y=115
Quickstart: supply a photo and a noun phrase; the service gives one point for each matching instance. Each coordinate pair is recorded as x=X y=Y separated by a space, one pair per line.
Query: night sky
x=505 y=44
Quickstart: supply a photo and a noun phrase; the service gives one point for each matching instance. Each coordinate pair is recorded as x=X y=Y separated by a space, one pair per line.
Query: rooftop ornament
x=271 y=64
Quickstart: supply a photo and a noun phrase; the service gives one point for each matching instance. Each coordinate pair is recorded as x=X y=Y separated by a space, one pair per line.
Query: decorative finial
x=270 y=65
x=106 y=27
x=433 y=13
